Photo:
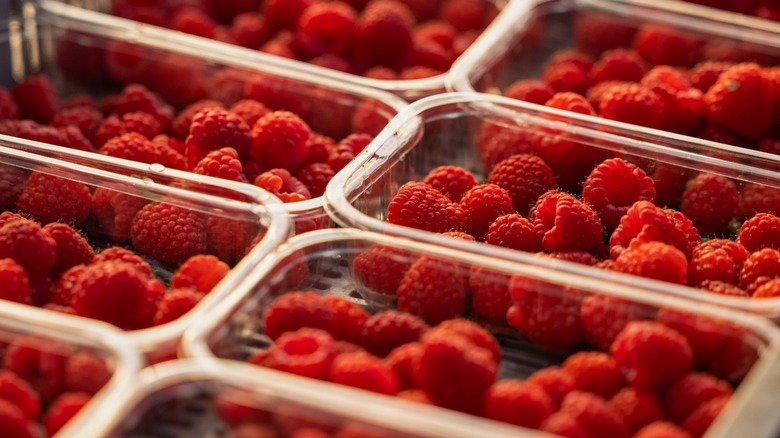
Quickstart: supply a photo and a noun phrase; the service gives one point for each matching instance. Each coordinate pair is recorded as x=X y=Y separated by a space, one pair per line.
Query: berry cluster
x=453 y=363
x=664 y=78
x=380 y=39
x=618 y=221
x=246 y=142
x=44 y=383
x=766 y=9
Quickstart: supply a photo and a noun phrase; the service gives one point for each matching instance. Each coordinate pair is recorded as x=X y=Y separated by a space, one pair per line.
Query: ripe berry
x=633 y=103
x=555 y=382
x=200 y=272
x=530 y=90
x=595 y=415
x=690 y=391
x=452 y=181
x=525 y=177
x=618 y=65
x=645 y=222
x=401 y=360
x=640 y=408
x=326 y=28
x=571 y=101
x=16 y=285
x=700 y=419
x=490 y=294
x=663 y=45
x=279 y=139
x=72 y=248
x=482 y=204
x=550 y=321
x=562 y=223
x=63 y=409
x=760 y=231
x=36 y=98
x=710 y=201
x=513 y=231
x=306 y=352
x=176 y=303
x=364 y=371
x=380 y=268
x=18 y=392
x=594 y=372
x=433 y=289
x=85 y=372
x=29 y=245
x=384 y=32
x=48 y=198
x=295 y=310
x=169 y=233
x=420 y=206
x=727 y=100
x=388 y=330
x=473 y=332
x=615 y=185
x=214 y=128
x=517 y=402
x=656 y=260
x=221 y=163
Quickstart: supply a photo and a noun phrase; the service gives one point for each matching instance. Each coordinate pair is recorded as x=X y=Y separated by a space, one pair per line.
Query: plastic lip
x=342 y=190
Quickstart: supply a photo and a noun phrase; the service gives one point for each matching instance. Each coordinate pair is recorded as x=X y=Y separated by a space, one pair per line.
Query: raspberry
x=570 y=101
x=452 y=181
x=315 y=177
x=562 y=223
x=385 y=331
x=124 y=255
x=347 y=318
x=705 y=335
x=136 y=147
x=180 y=127
x=284 y=14
x=176 y=303
x=282 y=184
x=116 y=293
x=662 y=429
x=656 y=260
x=473 y=332
x=8 y=107
x=638 y=345
x=517 y=402
x=295 y=310
x=552 y=322
x=48 y=198
x=16 y=285
x=74 y=139
x=279 y=139
x=663 y=45
x=72 y=248
x=215 y=128
x=564 y=424
x=760 y=231
x=690 y=391
x=86 y=373
x=596 y=32
x=704 y=74
x=566 y=77
x=482 y=204
x=433 y=289
x=640 y=408
x=768 y=289
x=221 y=163
x=169 y=233
x=250 y=30
x=40 y=362
x=29 y=245
x=613 y=186
x=364 y=371
x=30 y=130
x=633 y=104
x=618 y=65
x=713 y=263
x=384 y=32
x=700 y=419
x=711 y=201
x=401 y=360
x=525 y=177
x=594 y=372
x=453 y=373
x=570 y=161
x=63 y=289
x=87 y=119
x=12 y=181
x=722 y=288
x=644 y=222
x=554 y=382
x=341 y=154
x=420 y=206
x=137 y=97
x=326 y=28
x=530 y=90
x=36 y=98
x=727 y=100
x=14 y=423
x=18 y=392
x=595 y=415
x=513 y=231
x=380 y=268
x=200 y=272
x=306 y=352
x=63 y=409
x=138 y=122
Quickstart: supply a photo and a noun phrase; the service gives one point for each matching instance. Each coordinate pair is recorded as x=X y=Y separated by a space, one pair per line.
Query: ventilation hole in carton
x=332 y=273
x=356 y=294
x=320 y=285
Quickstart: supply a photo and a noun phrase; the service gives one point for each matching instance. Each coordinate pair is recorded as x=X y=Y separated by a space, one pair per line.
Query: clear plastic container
x=449 y=129
x=224 y=220
x=88 y=52
x=324 y=262
x=524 y=45
x=410 y=89
x=61 y=337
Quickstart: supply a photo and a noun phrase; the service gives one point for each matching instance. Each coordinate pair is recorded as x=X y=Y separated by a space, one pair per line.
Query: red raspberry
x=30 y=130
x=482 y=204
x=36 y=98
x=452 y=181
x=475 y=333
x=385 y=331
x=116 y=293
x=41 y=362
x=315 y=177
x=284 y=14
x=281 y=45
x=63 y=409
x=115 y=212
x=615 y=185
x=29 y=245
x=401 y=360
x=570 y=101
x=364 y=371
x=306 y=352
x=200 y=272
x=641 y=341
x=180 y=127
x=250 y=30
x=690 y=391
x=596 y=32
x=12 y=181
x=554 y=382
x=594 y=372
x=595 y=415
x=176 y=303
x=47 y=198
x=552 y=322
x=710 y=261
x=663 y=45
x=221 y=163
x=380 y=268
x=525 y=177
x=564 y=424
x=570 y=161
x=516 y=402
x=513 y=231
x=124 y=255
x=644 y=222
x=347 y=318
x=18 y=392
x=711 y=201
x=16 y=285
x=282 y=184
x=704 y=74
x=136 y=147
x=760 y=231
x=655 y=260
x=279 y=139
x=566 y=77
x=138 y=122
x=640 y=408
x=326 y=28
x=72 y=248
x=74 y=139
x=384 y=32
x=635 y=104
x=722 y=288
x=530 y=90
x=193 y=21
x=768 y=289
x=341 y=154
x=128 y=62
x=169 y=233
x=453 y=373
x=215 y=128
x=8 y=107
x=662 y=429
x=420 y=206
x=619 y=65
x=727 y=100
x=86 y=373
x=14 y=422
x=249 y=110
x=87 y=119
x=704 y=334
x=433 y=289
x=562 y=223
x=700 y=419
x=63 y=289
x=295 y=310
x=504 y=144
x=136 y=97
